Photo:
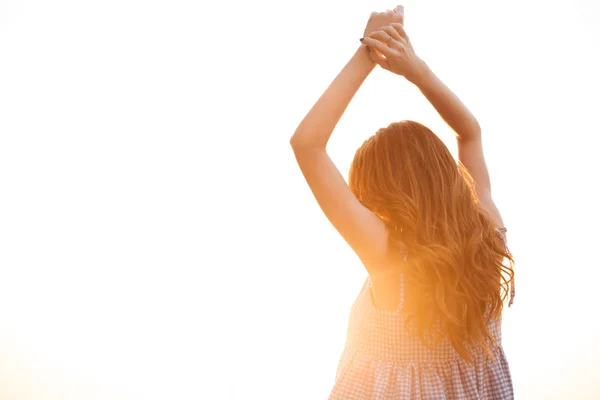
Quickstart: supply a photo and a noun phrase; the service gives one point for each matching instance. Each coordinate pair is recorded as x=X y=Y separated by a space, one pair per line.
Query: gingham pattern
x=382 y=360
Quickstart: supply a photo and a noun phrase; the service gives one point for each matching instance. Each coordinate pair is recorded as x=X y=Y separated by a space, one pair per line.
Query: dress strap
x=502 y=234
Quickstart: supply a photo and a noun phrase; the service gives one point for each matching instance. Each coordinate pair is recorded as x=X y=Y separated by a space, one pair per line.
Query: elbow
x=300 y=146
x=470 y=132
x=476 y=129
x=300 y=142
x=294 y=141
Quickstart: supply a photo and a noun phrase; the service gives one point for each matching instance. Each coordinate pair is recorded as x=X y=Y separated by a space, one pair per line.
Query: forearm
x=448 y=105
x=315 y=129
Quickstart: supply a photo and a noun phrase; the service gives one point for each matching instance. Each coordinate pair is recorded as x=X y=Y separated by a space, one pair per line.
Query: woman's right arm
x=468 y=135
x=400 y=58
x=462 y=121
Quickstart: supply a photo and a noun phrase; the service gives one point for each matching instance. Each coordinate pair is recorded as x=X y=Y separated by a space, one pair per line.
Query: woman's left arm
x=362 y=230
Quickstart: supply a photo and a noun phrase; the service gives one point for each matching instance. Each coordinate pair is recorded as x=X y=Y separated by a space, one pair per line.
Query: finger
x=399 y=11
x=398 y=46
x=382 y=36
x=398 y=27
x=377 y=58
x=379 y=46
x=391 y=31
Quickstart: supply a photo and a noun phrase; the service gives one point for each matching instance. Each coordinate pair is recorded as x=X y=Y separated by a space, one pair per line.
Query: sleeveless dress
x=382 y=360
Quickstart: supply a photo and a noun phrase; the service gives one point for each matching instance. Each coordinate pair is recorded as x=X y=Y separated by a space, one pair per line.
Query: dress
x=382 y=360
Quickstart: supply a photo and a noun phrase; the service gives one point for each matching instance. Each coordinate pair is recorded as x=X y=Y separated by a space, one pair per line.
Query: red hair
x=455 y=275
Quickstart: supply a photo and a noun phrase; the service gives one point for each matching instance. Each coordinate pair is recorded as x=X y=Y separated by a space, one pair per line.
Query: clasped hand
x=389 y=45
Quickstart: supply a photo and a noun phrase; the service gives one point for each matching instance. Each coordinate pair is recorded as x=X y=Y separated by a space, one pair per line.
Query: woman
x=426 y=324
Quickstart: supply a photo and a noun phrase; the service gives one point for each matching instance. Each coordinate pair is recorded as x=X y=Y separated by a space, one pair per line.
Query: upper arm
x=470 y=154
x=362 y=230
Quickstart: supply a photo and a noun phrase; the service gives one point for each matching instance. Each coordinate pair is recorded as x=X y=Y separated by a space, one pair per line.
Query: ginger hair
x=455 y=274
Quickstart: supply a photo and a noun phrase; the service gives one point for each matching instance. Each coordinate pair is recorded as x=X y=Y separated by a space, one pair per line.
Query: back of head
x=455 y=276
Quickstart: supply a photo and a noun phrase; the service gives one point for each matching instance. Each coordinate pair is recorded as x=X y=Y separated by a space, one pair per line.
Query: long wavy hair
x=455 y=271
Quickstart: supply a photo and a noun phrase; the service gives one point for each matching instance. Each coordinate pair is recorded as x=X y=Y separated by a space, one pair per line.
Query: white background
x=157 y=240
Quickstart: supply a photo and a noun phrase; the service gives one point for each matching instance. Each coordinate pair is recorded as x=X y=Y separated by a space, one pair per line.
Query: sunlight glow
x=158 y=241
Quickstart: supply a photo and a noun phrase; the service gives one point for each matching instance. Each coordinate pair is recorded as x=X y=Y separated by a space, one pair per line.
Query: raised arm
x=401 y=59
x=317 y=126
x=362 y=230
x=468 y=137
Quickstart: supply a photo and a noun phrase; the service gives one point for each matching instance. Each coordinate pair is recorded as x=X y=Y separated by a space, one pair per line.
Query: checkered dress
x=382 y=360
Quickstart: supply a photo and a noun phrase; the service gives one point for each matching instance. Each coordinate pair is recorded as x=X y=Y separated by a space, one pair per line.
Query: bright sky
x=158 y=241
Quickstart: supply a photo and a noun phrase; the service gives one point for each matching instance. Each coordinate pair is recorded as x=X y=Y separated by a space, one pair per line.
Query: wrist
x=363 y=57
x=422 y=75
